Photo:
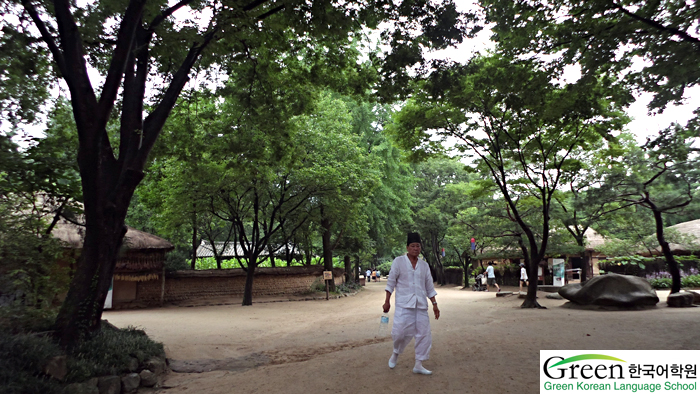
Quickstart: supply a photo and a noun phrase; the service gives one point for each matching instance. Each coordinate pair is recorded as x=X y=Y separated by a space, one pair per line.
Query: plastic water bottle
x=384 y=325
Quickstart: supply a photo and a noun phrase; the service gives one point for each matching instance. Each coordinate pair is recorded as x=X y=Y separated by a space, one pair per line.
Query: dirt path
x=481 y=344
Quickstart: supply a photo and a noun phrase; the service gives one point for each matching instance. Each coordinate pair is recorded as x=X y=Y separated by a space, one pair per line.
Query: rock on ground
x=109 y=385
x=130 y=382
x=680 y=300
x=612 y=290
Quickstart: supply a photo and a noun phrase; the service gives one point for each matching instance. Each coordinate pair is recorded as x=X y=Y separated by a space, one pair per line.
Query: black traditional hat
x=413 y=237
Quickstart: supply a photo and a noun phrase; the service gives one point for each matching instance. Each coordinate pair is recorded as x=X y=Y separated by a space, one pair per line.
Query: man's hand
x=436 y=311
x=387 y=306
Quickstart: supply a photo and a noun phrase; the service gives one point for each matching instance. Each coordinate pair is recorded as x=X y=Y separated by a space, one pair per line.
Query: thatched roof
x=688 y=228
x=593 y=239
x=691 y=229
x=74 y=234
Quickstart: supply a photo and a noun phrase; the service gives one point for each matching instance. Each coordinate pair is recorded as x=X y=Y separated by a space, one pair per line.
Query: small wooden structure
x=141 y=260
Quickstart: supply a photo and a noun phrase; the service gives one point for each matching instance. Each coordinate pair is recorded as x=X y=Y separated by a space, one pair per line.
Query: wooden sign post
x=327 y=275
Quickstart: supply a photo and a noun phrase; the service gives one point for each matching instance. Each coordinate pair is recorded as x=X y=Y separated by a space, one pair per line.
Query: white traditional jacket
x=413 y=287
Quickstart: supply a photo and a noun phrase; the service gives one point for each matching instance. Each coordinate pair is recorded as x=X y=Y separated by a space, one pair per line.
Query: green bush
x=385 y=267
x=22 y=358
x=348 y=287
x=690 y=281
x=109 y=352
x=318 y=285
x=660 y=283
x=18 y=319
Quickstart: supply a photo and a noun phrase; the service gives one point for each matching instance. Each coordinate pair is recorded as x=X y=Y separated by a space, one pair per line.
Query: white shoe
x=392 y=360
x=422 y=370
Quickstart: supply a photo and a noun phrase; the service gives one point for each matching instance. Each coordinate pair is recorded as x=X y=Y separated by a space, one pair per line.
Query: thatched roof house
x=142 y=257
x=688 y=230
x=593 y=239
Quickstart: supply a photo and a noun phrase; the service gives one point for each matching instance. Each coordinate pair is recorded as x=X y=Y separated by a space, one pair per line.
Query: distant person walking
x=491 y=277
x=374 y=276
x=368 y=275
x=410 y=277
x=523 y=277
x=379 y=275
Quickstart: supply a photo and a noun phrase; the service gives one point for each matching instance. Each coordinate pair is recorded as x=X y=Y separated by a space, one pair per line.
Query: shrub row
x=691 y=281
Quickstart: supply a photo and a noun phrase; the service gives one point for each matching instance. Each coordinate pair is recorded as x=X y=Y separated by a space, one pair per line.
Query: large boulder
x=156 y=365
x=109 y=384
x=612 y=290
x=148 y=378
x=130 y=382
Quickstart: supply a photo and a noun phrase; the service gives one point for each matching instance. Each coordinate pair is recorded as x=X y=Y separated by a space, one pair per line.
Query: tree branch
x=47 y=37
x=120 y=58
x=676 y=32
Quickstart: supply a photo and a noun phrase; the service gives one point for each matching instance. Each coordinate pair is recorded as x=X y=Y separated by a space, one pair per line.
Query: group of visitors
x=374 y=275
x=491 y=277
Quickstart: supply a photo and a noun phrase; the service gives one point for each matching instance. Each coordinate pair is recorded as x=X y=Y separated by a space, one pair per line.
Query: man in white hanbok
x=410 y=277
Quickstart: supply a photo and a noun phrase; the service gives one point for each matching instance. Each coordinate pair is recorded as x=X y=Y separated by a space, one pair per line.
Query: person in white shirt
x=491 y=277
x=368 y=275
x=523 y=277
x=410 y=277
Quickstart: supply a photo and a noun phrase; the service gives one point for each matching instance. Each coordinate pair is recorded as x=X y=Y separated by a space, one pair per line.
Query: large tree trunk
x=195 y=245
x=327 y=249
x=81 y=312
x=666 y=250
x=108 y=182
x=357 y=269
x=271 y=255
x=466 y=263
x=585 y=263
x=530 y=256
x=348 y=269
x=248 y=290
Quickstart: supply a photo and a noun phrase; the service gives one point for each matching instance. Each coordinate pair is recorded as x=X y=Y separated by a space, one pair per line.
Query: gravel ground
x=481 y=344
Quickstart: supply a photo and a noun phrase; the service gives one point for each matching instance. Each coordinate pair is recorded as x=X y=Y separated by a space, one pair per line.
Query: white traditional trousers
x=410 y=323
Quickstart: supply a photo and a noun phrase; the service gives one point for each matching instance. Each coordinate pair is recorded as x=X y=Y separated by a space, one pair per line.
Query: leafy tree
x=659 y=177
x=481 y=215
x=346 y=173
x=36 y=185
x=607 y=36
x=435 y=206
x=130 y=41
x=527 y=132
x=389 y=207
x=579 y=206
